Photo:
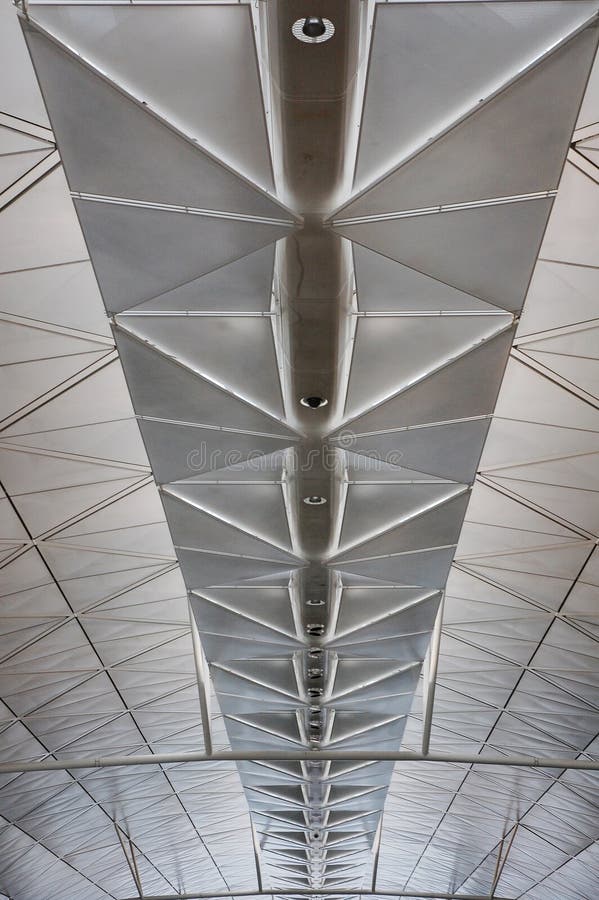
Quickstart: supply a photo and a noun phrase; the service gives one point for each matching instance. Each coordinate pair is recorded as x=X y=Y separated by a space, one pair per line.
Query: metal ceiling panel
x=476 y=160
x=130 y=262
x=313 y=620
x=153 y=50
x=487 y=251
x=429 y=65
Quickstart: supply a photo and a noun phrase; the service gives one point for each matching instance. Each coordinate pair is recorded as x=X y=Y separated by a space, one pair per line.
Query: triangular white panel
x=428 y=568
x=473 y=161
x=19 y=96
x=128 y=246
x=384 y=285
x=466 y=387
x=373 y=508
x=185 y=396
x=571 y=234
x=257 y=508
x=62 y=295
x=119 y=440
x=203 y=45
x=485 y=251
x=101 y=397
x=43 y=510
x=390 y=354
x=195 y=529
x=242 y=286
x=269 y=605
x=511 y=442
x=493 y=509
x=552 y=405
x=432 y=63
x=362 y=606
x=23 y=383
x=38 y=228
x=234 y=352
x=584 y=373
x=450 y=451
x=559 y=295
x=112 y=146
x=580 y=507
x=14 y=165
x=14 y=141
x=186 y=451
x=438 y=525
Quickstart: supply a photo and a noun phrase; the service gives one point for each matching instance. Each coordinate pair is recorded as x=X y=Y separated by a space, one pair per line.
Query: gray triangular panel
x=467 y=387
x=242 y=286
x=184 y=451
x=385 y=285
x=390 y=353
x=447 y=451
x=431 y=63
x=236 y=352
x=161 y=388
x=193 y=528
x=474 y=161
x=138 y=253
x=372 y=508
x=209 y=47
x=257 y=508
x=486 y=251
x=111 y=146
x=202 y=568
x=437 y=527
x=427 y=568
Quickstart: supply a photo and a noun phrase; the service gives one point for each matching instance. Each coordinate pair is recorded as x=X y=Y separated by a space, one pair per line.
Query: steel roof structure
x=299 y=445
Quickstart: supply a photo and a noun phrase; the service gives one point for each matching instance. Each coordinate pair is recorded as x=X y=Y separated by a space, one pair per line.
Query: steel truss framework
x=125 y=640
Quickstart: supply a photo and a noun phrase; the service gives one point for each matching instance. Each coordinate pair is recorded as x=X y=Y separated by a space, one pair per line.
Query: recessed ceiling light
x=313 y=30
x=314 y=402
x=315 y=500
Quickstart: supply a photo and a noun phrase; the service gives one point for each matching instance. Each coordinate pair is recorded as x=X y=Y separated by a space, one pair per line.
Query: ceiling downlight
x=313 y=30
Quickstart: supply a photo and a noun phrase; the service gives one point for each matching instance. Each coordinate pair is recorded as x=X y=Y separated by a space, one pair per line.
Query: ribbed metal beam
x=148 y=759
x=332 y=892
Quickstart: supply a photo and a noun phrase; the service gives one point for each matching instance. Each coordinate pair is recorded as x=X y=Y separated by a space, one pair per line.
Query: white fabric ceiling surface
x=518 y=658
x=97 y=652
x=96 y=648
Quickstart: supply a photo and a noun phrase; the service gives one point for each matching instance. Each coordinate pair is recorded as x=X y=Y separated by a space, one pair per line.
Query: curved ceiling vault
x=269 y=221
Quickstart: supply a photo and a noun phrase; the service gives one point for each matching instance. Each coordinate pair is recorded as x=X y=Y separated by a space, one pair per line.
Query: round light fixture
x=315 y=500
x=315 y=601
x=313 y=29
x=314 y=402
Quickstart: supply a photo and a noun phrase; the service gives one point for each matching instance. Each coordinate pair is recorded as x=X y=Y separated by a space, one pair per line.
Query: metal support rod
x=256 y=845
x=203 y=679
x=376 y=846
x=131 y=862
x=372 y=756
x=324 y=892
x=431 y=680
x=502 y=862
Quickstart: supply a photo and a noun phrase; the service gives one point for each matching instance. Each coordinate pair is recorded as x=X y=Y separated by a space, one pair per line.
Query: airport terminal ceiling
x=299 y=449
